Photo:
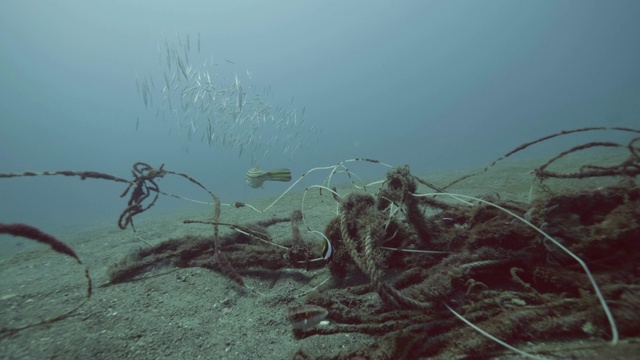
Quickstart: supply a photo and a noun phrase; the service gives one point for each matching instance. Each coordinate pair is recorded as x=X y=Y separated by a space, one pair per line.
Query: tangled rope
x=143 y=184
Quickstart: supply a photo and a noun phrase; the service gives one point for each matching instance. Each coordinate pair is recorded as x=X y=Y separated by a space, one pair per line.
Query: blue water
x=435 y=84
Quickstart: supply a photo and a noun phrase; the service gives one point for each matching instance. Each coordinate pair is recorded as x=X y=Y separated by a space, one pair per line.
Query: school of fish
x=221 y=109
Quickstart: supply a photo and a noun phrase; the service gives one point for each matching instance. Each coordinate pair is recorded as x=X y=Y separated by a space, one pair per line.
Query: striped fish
x=317 y=263
x=256 y=177
x=306 y=316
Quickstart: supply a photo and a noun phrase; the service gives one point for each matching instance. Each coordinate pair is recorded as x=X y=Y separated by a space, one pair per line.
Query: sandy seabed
x=191 y=313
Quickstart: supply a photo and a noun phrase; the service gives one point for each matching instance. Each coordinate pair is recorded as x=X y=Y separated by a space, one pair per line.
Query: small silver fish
x=256 y=177
x=306 y=316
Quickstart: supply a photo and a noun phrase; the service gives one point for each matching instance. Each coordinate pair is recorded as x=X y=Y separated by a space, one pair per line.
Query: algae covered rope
x=365 y=261
x=633 y=150
x=139 y=189
x=144 y=176
x=30 y=232
x=628 y=167
x=82 y=174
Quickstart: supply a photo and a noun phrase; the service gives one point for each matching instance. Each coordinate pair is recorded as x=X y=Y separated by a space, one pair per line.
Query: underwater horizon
x=437 y=85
